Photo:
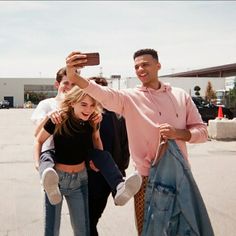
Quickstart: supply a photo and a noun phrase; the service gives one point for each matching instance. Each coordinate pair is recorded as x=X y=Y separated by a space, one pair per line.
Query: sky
x=37 y=36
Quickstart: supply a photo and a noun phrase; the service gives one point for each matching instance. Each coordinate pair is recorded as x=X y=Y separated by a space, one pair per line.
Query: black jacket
x=120 y=147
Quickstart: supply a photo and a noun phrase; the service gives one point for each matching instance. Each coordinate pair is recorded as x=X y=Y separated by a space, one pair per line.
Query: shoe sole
x=50 y=185
x=132 y=186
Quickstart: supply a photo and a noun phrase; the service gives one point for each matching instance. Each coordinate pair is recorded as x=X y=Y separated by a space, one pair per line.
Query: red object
x=220 y=112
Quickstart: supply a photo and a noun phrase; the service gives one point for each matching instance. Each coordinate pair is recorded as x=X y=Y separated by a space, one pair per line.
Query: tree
x=34 y=97
x=197 y=89
x=210 y=93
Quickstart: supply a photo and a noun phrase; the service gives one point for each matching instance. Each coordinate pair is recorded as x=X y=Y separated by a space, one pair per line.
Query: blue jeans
x=49 y=220
x=112 y=177
x=74 y=188
x=47 y=159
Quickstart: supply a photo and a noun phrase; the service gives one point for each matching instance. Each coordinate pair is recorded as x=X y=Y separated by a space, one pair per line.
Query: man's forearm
x=183 y=134
x=79 y=80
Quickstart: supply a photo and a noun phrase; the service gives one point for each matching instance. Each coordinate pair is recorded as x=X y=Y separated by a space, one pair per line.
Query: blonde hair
x=73 y=96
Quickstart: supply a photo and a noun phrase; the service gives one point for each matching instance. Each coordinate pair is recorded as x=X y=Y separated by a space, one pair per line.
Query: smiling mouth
x=143 y=75
x=85 y=114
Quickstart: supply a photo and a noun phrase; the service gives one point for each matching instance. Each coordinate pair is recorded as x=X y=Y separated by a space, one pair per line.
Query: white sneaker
x=50 y=182
x=127 y=189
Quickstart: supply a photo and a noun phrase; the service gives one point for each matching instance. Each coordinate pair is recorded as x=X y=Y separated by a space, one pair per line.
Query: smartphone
x=93 y=59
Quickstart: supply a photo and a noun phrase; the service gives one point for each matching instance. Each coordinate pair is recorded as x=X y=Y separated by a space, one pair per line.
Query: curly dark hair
x=99 y=80
x=145 y=51
x=60 y=74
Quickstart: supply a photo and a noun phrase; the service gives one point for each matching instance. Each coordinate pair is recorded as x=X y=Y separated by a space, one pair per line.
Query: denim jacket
x=173 y=203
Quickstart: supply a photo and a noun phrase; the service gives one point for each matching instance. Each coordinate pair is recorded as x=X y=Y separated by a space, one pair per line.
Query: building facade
x=19 y=90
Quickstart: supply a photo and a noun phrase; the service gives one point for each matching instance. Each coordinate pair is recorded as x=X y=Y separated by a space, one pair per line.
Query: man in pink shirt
x=152 y=111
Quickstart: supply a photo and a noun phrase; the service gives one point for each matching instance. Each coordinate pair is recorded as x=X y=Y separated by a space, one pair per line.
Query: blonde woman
x=73 y=138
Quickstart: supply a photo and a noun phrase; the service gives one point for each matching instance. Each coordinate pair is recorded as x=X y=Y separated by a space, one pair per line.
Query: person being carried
x=73 y=139
x=48 y=108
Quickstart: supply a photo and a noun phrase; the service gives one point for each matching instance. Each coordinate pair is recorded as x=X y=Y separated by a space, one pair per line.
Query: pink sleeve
x=196 y=126
x=105 y=95
x=199 y=134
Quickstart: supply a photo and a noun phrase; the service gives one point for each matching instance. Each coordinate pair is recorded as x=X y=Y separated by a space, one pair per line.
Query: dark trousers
x=99 y=192
x=107 y=167
x=100 y=187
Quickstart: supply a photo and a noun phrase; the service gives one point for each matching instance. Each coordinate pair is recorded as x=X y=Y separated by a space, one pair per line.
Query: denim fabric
x=46 y=160
x=173 y=203
x=74 y=188
x=49 y=219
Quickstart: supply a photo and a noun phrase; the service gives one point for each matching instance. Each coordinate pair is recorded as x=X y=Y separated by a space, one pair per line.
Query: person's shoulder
x=180 y=93
x=43 y=108
x=134 y=90
x=47 y=101
x=174 y=89
x=178 y=89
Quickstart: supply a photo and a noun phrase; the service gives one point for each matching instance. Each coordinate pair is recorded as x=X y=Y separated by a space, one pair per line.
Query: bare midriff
x=70 y=168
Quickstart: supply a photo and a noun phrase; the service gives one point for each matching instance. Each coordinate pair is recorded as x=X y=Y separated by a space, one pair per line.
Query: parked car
x=209 y=111
x=4 y=104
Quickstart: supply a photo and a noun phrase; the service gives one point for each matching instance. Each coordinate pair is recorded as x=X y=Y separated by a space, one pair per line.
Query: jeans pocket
x=163 y=197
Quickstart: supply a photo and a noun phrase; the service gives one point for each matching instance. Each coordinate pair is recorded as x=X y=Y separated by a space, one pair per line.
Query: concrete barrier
x=222 y=129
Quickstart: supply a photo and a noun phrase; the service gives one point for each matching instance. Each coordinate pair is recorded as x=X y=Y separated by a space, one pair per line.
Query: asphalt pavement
x=21 y=199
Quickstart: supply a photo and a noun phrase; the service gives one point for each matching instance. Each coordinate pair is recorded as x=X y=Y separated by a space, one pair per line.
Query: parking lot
x=21 y=209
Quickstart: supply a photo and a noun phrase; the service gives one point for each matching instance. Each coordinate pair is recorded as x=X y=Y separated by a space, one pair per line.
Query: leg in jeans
x=52 y=218
x=49 y=177
x=74 y=186
x=108 y=168
x=99 y=191
x=46 y=161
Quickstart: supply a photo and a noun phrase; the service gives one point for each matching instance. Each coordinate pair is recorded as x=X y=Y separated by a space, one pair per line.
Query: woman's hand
x=92 y=166
x=95 y=121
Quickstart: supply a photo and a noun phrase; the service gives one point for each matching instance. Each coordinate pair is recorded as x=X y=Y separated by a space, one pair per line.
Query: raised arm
x=74 y=62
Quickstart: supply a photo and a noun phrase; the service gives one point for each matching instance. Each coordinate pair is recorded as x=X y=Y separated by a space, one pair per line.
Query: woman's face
x=84 y=108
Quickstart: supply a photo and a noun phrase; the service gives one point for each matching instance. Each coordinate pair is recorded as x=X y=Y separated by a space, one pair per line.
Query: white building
x=16 y=90
x=186 y=83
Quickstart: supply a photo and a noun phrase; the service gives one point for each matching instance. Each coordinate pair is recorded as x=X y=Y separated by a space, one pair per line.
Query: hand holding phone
x=92 y=59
